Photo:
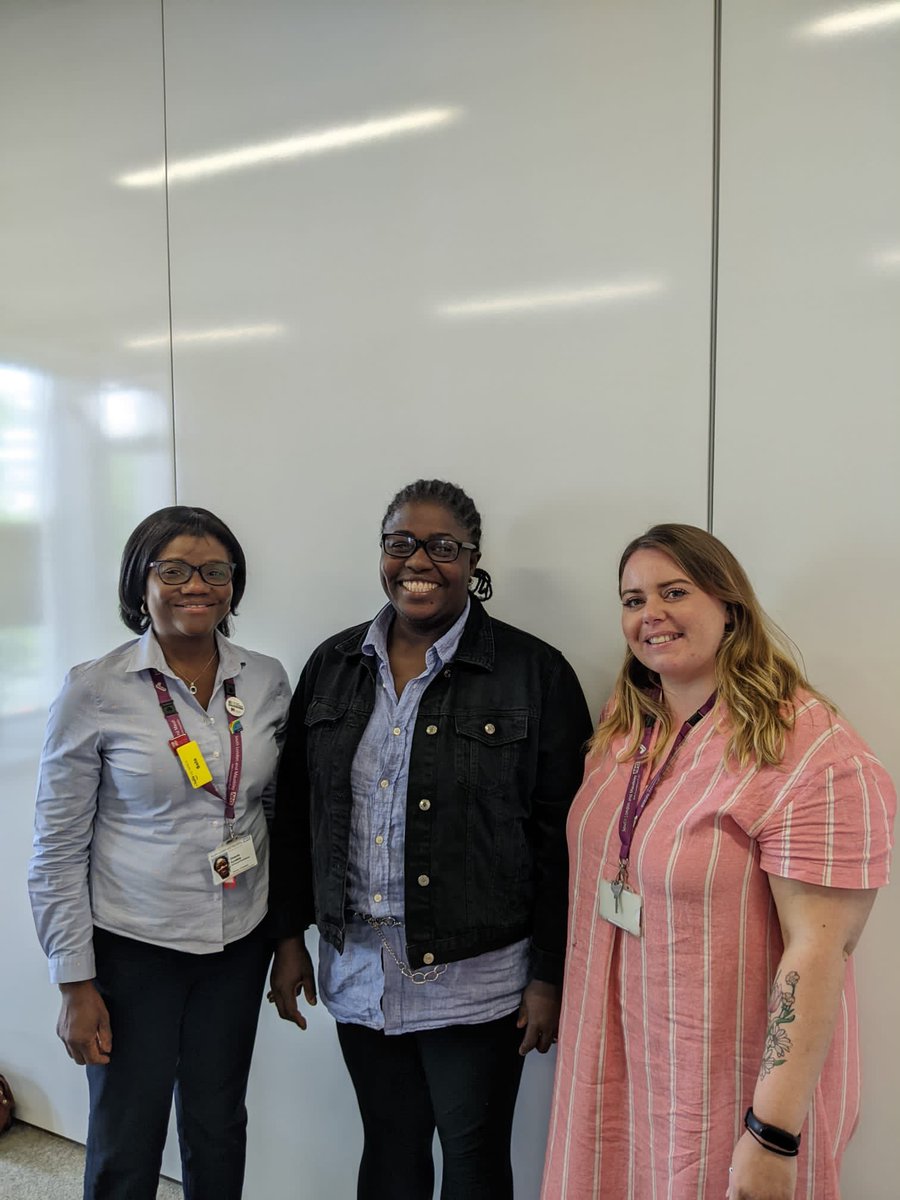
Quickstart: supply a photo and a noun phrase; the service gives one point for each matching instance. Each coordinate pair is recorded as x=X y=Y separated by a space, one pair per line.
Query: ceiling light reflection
x=853 y=20
x=551 y=298
x=887 y=260
x=199 y=337
x=340 y=137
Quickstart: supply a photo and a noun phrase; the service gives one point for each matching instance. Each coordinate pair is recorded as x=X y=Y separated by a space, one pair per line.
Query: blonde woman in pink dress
x=725 y=851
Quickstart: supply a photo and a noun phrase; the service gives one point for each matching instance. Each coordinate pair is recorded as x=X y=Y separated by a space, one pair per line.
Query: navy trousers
x=462 y=1080
x=182 y=1023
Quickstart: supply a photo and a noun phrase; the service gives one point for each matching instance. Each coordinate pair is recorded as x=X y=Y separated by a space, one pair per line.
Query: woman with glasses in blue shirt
x=430 y=761
x=158 y=764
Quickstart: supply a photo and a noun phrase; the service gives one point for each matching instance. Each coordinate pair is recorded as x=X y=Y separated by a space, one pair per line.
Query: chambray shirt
x=121 y=838
x=363 y=986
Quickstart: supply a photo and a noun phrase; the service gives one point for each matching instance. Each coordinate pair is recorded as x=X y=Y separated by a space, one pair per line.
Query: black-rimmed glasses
x=439 y=549
x=174 y=572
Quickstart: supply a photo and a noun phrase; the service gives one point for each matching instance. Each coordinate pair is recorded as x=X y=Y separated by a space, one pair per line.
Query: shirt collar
x=146 y=653
x=443 y=650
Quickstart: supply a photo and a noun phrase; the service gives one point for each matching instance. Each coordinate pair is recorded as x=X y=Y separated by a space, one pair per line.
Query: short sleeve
x=833 y=826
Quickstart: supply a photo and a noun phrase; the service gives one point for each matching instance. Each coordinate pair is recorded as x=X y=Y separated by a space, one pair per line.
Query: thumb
x=104 y=1033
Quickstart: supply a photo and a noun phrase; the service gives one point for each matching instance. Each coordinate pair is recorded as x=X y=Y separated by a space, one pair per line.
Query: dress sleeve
x=832 y=825
x=68 y=784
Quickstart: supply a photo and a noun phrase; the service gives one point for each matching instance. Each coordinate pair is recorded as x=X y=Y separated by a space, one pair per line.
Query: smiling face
x=671 y=626
x=192 y=609
x=428 y=596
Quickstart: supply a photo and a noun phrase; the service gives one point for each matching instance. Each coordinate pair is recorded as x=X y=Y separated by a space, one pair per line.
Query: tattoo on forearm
x=781 y=1013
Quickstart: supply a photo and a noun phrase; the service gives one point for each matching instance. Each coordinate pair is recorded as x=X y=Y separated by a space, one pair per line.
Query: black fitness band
x=770 y=1137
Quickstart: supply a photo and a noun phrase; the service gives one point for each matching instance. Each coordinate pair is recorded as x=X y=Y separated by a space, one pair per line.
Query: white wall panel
x=567 y=193
x=85 y=423
x=808 y=411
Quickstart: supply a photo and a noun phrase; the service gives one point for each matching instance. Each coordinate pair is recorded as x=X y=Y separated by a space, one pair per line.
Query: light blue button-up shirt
x=121 y=838
x=364 y=986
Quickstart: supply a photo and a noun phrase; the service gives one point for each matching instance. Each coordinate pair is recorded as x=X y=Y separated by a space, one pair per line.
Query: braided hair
x=455 y=500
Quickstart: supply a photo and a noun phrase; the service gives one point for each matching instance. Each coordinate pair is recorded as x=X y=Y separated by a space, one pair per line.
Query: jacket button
x=427 y=959
x=489 y=728
x=424 y=881
x=379 y=840
x=447 y=673
x=431 y=729
x=424 y=805
x=377 y=897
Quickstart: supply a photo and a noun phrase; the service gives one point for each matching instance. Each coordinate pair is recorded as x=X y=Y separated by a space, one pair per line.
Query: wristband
x=770 y=1137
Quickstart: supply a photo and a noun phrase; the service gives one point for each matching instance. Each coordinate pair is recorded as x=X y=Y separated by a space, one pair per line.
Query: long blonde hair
x=757 y=675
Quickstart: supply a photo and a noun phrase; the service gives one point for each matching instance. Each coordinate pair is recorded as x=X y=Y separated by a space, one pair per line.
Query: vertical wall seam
x=165 y=114
x=714 y=259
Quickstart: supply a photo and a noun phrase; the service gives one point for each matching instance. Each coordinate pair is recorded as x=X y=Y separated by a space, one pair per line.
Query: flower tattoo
x=781 y=1013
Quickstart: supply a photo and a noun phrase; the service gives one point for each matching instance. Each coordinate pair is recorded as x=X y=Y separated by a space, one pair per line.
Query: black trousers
x=462 y=1080
x=184 y=1023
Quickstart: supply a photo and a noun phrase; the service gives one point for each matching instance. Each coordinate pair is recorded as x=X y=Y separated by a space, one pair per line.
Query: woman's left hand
x=539 y=1016
x=758 y=1174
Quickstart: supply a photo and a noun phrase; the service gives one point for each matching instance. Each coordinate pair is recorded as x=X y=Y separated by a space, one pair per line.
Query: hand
x=83 y=1025
x=539 y=1016
x=292 y=970
x=759 y=1174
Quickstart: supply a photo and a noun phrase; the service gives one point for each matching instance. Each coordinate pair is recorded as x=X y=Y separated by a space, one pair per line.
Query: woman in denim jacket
x=431 y=758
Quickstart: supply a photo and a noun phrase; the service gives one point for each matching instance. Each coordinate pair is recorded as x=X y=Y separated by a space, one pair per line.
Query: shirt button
x=427 y=959
x=215 y=754
x=384 y=783
x=431 y=729
x=396 y=731
x=424 y=805
x=378 y=839
x=377 y=897
x=489 y=728
x=424 y=881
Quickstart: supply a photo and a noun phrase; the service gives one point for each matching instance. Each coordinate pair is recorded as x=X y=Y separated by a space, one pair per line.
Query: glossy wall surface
x=808 y=405
x=85 y=424
x=280 y=260
x=510 y=289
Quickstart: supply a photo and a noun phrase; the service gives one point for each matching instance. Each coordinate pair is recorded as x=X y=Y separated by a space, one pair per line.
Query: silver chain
x=417 y=977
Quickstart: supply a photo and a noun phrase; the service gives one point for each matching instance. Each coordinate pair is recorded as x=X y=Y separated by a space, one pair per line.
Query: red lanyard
x=180 y=738
x=635 y=801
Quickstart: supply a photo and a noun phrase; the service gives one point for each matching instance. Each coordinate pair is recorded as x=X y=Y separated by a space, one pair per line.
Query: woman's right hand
x=292 y=971
x=83 y=1025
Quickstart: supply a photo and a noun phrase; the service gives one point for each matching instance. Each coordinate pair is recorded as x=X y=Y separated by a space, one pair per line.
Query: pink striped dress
x=662 y=1035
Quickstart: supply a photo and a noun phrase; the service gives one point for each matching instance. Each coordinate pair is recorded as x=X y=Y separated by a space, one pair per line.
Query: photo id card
x=232 y=859
x=620 y=907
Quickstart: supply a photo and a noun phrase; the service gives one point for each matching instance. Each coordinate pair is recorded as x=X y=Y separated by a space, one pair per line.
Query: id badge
x=194 y=764
x=231 y=859
x=623 y=909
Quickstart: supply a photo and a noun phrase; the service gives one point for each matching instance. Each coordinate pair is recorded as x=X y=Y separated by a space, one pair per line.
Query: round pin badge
x=235 y=706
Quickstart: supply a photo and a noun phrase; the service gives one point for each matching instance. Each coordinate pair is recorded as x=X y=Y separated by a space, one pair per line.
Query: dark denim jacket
x=497 y=755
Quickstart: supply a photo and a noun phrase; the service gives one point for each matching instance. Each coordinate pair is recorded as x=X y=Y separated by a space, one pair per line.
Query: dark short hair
x=155 y=532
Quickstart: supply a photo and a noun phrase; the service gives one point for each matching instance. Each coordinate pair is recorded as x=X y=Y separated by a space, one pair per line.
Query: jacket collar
x=476 y=646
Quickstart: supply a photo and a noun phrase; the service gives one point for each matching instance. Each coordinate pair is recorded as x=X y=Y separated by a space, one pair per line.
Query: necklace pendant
x=192 y=688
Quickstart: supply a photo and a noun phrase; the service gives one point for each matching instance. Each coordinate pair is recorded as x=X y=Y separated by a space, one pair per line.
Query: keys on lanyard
x=618 y=904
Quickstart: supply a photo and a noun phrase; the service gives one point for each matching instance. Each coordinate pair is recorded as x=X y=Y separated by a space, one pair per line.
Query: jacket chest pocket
x=324 y=721
x=489 y=748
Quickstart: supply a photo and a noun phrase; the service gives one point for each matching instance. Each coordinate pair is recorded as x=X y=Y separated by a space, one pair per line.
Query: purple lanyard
x=635 y=802
x=180 y=738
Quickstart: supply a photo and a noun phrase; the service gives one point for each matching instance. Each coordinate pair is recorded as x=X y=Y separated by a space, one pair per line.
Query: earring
x=143 y=608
